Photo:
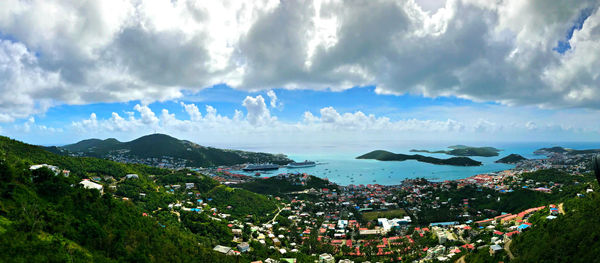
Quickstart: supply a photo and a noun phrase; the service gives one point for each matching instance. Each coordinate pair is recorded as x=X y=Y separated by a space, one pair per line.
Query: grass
x=395 y=213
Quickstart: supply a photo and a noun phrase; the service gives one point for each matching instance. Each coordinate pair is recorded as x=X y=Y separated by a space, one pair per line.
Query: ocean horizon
x=338 y=163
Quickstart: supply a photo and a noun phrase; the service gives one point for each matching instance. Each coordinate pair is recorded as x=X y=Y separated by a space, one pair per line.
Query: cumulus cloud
x=112 y=51
x=258 y=113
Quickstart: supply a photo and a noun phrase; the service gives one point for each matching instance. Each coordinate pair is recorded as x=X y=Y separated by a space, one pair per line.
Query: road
x=507 y=248
x=274 y=217
x=561 y=209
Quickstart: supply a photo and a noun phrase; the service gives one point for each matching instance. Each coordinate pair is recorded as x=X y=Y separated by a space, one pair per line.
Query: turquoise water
x=340 y=166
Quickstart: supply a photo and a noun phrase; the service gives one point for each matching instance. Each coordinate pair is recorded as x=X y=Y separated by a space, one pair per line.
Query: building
x=326 y=258
x=189 y=185
x=222 y=249
x=243 y=247
x=132 y=176
x=87 y=184
x=495 y=249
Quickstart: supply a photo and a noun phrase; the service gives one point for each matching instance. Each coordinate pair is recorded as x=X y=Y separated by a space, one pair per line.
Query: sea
x=338 y=163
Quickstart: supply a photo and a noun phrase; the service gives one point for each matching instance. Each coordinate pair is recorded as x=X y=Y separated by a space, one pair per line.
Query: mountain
x=463 y=150
x=511 y=158
x=382 y=155
x=562 y=150
x=164 y=150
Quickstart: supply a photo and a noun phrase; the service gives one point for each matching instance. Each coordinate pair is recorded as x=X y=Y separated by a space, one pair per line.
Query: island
x=562 y=150
x=382 y=155
x=511 y=158
x=464 y=150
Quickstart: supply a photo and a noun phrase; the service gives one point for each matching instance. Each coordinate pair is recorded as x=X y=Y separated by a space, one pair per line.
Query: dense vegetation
x=240 y=203
x=275 y=185
x=511 y=158
x=389 y=156
x=50 y=218
x=463 y=150
x=46 y=217
x=160 y=145
x=572 y=237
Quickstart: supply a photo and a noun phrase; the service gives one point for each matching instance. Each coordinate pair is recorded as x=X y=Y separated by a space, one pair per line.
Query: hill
x=165 y=151
x=562 y=150
x=574 y=234
x=382 y=155
x=51 y=218
x=279 y=184
x=463 y=150
x=511 y=158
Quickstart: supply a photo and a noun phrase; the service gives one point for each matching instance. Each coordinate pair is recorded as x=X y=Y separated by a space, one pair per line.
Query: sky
x=225 y=73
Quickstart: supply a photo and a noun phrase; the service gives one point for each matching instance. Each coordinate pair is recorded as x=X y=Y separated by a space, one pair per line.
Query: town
x=418 y=220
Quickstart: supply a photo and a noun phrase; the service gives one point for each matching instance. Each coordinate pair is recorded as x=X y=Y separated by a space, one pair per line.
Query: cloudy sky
x=228 y=72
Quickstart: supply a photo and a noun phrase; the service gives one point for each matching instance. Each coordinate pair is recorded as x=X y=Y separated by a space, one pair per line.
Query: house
x=276 y=242
x=495 y=249
x=87 y=184
x=132 y=176
x=236 y=231
x=243 y=247
x=222 y=249
x=189 y=185
x=326 y=258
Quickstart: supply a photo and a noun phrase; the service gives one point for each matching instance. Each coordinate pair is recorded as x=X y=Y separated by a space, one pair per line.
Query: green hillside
x=159 y=146
x=572 y=237
x=382 y=155
x=51 y=218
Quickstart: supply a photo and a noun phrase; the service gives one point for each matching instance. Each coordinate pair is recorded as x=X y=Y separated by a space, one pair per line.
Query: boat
x=302 y=164
x=260 y=167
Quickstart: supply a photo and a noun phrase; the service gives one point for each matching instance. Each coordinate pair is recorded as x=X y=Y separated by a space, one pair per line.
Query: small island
x=562 y=150
x=382 y=155
x=511 y=159
x=463 y=150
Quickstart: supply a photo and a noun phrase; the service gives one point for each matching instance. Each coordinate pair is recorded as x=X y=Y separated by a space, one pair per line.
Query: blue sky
x=277 y=72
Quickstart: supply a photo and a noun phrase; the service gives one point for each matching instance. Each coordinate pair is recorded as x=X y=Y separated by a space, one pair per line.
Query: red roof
x=468 y=246
x=498 y=233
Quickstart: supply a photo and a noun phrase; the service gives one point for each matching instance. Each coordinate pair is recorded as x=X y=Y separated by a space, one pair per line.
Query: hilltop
x=511 y=158
x=382 y=155
x=166 y=151
x=463 y=150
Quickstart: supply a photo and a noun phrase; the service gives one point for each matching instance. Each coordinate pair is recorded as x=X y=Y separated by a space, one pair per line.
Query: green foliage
x=572 y=237
x=51 y=218
x=242 y=202
x=554 y=175
x=274 y=185
x=394 y=213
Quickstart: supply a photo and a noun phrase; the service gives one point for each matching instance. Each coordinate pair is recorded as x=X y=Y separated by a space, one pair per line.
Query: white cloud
x=273 y=100
x=114 y=51
x=258 y=113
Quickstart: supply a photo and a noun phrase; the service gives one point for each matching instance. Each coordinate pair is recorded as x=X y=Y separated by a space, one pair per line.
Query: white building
x=87 y=184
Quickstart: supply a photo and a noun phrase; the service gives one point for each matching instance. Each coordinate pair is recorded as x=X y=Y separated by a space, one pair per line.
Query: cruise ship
x=260 y=167
x=301 y=164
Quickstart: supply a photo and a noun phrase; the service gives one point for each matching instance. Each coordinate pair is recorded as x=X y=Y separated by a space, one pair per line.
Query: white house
x=87 y=184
